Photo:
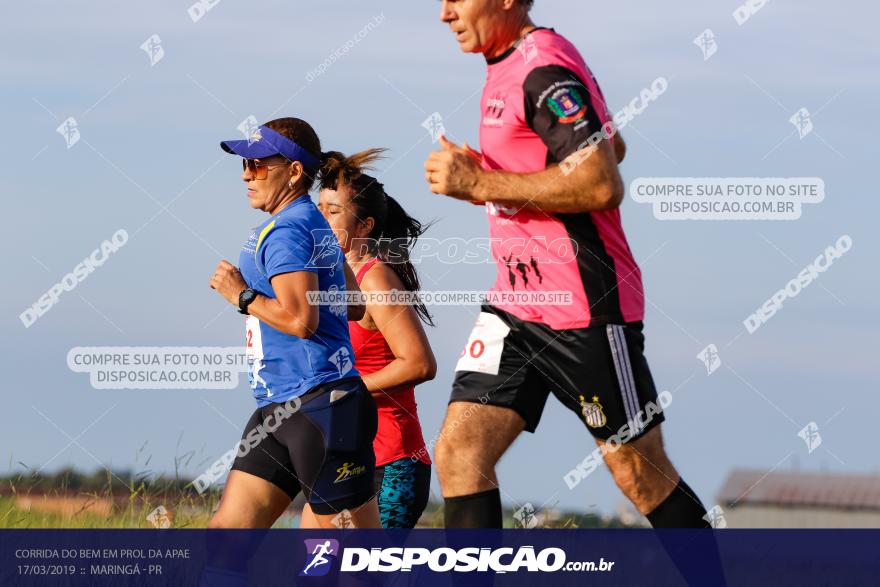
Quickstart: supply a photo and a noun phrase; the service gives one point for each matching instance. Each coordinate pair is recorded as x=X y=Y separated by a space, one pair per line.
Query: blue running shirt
x=282 y=366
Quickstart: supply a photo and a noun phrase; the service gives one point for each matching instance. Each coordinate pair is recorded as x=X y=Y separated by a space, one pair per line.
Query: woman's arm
x=290 y=311
x=414 y=361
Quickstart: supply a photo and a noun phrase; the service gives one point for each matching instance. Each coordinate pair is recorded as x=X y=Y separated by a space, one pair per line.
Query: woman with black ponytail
x=391 y=349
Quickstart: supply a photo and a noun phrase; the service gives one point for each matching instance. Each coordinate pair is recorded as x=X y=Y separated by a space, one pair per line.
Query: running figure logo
x=706 y=42
x=803 y=122
x=343 y=520
x=256 y=380
x=250 y=128
x=529 y=48
x=68 y=129
x=321 y=553
x=153 y=48
x=326 y=252
x=349 y=470
x=810 y=435
x=526 y=516
x=342 y=360
x=523 y=270
x=710 y=358
x=715 y=517
x=434 y=125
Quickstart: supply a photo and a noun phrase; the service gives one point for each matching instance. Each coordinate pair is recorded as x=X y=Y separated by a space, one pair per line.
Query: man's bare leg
x=642 y=471
x=473 y=438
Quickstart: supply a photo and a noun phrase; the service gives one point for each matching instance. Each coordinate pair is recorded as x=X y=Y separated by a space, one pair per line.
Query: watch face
x=248 y=295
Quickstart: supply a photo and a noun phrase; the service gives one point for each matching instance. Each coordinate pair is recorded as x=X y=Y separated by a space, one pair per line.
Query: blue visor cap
x=264 y=142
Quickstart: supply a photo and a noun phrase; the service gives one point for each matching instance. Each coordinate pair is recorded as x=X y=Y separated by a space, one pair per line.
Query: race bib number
x=253 y=338
x=484 y=346
x=254 y=351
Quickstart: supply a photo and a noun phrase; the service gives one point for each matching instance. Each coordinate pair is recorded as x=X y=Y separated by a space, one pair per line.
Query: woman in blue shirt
x=315 y=421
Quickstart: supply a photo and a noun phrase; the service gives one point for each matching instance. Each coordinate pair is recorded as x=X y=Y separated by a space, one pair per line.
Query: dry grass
x=102 y=500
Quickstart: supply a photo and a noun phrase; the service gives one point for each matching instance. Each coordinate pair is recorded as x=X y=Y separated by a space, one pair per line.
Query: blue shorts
x=320 y=443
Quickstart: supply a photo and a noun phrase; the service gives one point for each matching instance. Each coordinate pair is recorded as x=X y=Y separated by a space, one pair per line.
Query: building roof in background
x=795 y=488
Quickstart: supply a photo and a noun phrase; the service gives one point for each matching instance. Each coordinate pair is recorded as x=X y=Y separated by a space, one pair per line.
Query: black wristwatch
x=245 y=299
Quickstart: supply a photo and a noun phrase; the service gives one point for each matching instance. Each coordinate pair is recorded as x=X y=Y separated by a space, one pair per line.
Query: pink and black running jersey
x=539 y=106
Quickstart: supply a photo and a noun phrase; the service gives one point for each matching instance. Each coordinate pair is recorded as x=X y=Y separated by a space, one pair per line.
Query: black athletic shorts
x=599 y=373
x=320 y=444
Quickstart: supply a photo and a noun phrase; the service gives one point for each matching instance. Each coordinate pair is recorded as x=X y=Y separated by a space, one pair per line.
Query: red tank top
x=399 y=435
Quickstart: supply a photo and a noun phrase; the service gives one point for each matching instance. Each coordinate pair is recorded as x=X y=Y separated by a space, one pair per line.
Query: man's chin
x=467 y=47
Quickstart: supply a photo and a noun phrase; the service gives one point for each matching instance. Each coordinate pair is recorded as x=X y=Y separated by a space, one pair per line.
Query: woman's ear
x=296 y=172
x=367 y=226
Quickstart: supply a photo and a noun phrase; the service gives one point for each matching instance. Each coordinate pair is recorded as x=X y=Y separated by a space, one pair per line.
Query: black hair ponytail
x=396 y=240
x=394 y=231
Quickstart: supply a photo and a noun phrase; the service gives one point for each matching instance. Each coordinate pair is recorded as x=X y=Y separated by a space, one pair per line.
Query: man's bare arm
x=589 y=185
x=586 y=181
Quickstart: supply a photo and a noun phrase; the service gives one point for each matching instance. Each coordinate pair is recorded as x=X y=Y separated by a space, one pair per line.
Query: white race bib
x=253 y=338
x=484 y=346
x=254 y=352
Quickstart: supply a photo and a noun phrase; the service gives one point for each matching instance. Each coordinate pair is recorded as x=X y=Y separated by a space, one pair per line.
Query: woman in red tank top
x=391 y=349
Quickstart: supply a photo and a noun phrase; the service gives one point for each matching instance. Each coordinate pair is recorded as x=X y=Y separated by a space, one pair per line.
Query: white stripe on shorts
x=625 y=379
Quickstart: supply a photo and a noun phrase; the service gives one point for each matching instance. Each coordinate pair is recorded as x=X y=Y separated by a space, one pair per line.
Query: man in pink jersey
x=565 y=313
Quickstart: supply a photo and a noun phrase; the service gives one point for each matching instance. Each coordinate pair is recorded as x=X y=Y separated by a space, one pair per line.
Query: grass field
x=95 y=511
x=105 y=499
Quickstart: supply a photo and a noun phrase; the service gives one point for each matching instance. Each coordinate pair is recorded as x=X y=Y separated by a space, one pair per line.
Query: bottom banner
x=438 y=557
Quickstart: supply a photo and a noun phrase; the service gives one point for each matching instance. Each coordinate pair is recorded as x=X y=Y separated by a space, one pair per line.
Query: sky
x=147 y=161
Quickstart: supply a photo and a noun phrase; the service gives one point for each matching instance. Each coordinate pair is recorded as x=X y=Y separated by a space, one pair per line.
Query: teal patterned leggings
x=402 y=487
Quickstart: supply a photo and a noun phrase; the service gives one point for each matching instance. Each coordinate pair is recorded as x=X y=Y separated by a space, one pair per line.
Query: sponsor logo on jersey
x=493 y=112
x=567 y=105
